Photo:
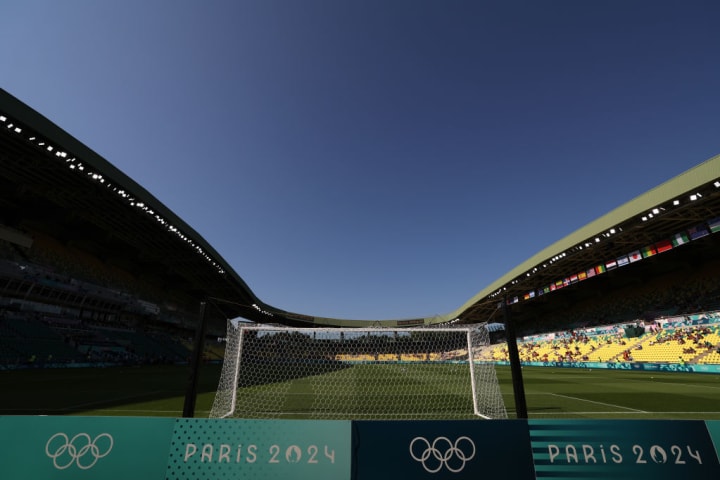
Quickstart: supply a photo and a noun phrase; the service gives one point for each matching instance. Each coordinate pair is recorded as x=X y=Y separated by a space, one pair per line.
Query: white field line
x=594 y=413
x=99 y=402
x=117 y=410
x=593 y=401
x=714 y=387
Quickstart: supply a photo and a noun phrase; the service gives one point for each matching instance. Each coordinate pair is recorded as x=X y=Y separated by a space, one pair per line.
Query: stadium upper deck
x=54 y=185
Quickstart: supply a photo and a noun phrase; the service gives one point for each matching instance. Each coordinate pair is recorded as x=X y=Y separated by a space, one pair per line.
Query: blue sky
x=377 y=159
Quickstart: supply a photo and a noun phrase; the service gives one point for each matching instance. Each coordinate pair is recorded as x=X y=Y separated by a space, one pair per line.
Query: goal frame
x=236 y=332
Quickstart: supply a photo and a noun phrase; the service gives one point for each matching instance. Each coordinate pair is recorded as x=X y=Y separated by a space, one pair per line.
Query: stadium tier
x=95 y=270
x=66 y=208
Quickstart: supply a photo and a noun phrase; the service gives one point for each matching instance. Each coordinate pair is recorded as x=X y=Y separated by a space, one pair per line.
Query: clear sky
x=377 y=159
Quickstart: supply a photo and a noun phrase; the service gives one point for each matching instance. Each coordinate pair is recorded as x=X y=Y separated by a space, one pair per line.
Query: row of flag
x=686 y=236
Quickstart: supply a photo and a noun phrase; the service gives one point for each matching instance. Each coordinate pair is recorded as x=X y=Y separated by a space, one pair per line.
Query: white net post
x=226 y=394
x=488 y=399
x=471 y=364
x=362 y=373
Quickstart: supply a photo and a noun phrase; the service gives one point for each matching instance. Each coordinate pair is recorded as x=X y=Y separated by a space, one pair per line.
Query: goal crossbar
x=357 y=373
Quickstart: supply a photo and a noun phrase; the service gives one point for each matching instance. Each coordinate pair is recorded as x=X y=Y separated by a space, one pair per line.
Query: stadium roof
x=52 y=183
x=682 y=212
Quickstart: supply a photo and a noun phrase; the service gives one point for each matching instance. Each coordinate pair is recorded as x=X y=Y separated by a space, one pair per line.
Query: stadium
x=113 y=306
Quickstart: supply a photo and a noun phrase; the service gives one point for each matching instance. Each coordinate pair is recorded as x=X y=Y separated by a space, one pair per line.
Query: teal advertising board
x=122 y=448
x=459 y=449
x=140 y=448
x=77 y=448
x=713 y=427
x=259 y=449
x=623 y=449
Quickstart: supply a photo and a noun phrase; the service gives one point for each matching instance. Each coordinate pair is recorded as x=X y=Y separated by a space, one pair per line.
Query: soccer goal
x=357 y=373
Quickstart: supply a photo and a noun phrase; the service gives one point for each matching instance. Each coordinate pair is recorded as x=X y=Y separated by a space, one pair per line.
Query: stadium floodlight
x=357 y=373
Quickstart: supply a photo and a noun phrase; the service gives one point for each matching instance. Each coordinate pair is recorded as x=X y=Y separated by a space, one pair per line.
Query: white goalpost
x=357 y=374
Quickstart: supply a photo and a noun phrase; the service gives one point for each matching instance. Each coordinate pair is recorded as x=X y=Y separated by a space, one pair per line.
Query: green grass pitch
x=550 y=393
x=367 y=391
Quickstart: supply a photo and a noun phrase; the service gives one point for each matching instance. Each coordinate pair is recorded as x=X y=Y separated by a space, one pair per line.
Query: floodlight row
x=264 y=312
x=647 y=216
x=76 y=165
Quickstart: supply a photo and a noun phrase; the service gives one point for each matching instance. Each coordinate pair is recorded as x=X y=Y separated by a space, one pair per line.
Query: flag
x=526 y=296
x=698 y=232
x=714 y=224
x=546 y=289
x=635 y=256
x=600 y=269
x=680 y=239
x=582 y=276
x=663 y=246
x=622 y=261
x=566 y=282
x=649 y=251
x=552 y=287
x=573 y=278
x=591 y=273
x=559 y=284
x=610 y=264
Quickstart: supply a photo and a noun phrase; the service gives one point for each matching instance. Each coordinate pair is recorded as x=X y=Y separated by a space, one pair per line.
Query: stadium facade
x=59 y=196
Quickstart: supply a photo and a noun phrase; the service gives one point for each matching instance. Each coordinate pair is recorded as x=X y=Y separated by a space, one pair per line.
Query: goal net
x=357 y=373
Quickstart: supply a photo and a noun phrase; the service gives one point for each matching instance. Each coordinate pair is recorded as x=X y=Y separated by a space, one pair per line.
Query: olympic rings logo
x=80 y=449
x=442 y=453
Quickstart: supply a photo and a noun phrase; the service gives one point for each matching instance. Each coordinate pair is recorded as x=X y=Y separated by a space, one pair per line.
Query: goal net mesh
x=358 y=373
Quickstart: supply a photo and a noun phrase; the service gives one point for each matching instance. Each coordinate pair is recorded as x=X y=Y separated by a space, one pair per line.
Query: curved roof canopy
x=53 y=183
x=674 y=214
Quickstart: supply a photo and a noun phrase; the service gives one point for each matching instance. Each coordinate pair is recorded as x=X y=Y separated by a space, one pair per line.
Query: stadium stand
x=93 y=268
x=681 y=341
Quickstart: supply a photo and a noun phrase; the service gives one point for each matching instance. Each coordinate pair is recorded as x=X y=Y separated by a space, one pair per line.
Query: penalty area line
x=558 y=414
x=596 y=403
x=101 y=402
